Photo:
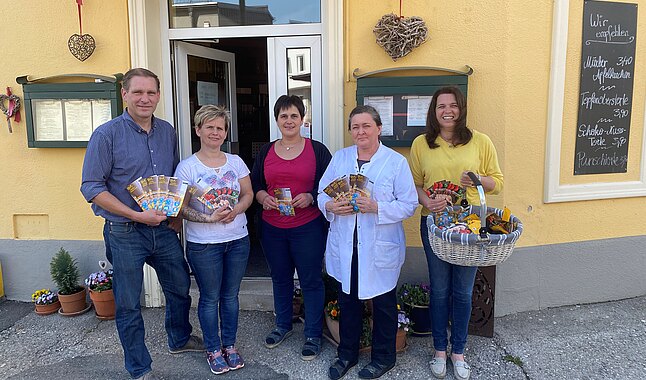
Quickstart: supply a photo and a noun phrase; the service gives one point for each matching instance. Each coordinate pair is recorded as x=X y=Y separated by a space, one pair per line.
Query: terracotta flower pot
x=400 y=344
x=333 y=327
x=73 y=303
x=48 y=309
x=104 y=305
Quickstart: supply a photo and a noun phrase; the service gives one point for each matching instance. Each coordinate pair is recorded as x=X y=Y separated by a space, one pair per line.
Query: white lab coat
x=381 y=240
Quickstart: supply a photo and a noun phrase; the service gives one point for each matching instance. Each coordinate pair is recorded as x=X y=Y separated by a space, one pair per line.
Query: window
x=213 y=13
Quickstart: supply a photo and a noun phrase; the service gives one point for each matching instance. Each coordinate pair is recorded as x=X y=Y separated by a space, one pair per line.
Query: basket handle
x=483 y=203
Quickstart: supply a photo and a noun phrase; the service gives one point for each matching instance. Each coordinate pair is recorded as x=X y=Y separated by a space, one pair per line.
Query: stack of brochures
x=349 y=188
x=159 y=192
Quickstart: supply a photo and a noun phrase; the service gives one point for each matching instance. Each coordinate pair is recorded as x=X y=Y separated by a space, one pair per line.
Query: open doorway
x=232 y=72
x=248 y=75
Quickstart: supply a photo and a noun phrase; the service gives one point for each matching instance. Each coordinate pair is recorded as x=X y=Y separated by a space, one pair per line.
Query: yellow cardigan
x=448 y=162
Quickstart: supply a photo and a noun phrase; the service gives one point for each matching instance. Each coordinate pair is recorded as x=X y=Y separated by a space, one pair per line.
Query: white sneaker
x=461 y=370
x=438 y=367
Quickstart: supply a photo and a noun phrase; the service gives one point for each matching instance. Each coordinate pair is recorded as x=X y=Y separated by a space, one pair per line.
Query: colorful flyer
x=284 y=199
x=338 y=189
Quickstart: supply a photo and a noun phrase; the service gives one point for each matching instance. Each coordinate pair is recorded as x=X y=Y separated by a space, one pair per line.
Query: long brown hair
x=462 y=134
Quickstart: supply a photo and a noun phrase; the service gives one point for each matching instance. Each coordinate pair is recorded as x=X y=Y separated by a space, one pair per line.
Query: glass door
x=203 y=76
x=295 y=69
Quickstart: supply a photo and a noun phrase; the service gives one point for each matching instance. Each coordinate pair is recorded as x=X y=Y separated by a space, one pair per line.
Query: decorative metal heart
x=399 y=36
x=81 y=46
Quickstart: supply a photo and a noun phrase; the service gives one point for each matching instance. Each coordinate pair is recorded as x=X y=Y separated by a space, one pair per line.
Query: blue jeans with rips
x=301 y=248
x=133 y=244
x=218 y=270
x=451 y=292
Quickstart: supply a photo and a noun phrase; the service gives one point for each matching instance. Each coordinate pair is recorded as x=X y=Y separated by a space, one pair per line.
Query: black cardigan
x=321 y=154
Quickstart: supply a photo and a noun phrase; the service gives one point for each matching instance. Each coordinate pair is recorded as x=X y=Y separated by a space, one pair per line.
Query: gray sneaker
x=194 y=344
x=148 y=376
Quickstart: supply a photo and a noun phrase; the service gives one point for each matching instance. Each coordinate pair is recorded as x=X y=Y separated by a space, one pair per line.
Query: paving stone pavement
x=597 y=341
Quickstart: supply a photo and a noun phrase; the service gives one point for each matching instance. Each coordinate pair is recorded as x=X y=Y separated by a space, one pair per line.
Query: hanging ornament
x=81 y=45
x=399 y=35
x=11 y=109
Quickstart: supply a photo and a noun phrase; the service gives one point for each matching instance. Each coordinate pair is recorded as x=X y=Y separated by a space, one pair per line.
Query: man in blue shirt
x=132 y=145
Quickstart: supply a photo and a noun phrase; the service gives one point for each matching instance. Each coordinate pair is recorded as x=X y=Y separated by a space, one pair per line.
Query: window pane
x=207 y=13
x=299 y=83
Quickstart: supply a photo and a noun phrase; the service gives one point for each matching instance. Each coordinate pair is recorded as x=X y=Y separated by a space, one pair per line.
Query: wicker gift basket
x=473 y=249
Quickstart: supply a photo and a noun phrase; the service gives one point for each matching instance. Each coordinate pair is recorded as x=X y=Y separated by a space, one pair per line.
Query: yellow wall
x=42 y=180
x=508 y=43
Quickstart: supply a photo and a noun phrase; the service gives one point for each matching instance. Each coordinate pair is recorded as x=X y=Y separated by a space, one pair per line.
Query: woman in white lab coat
x=366 y=249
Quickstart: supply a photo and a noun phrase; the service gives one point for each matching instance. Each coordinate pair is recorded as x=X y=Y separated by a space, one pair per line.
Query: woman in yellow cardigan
x=447 y=151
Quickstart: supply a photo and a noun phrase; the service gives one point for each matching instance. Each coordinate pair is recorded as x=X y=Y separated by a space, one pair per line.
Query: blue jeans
x=218 y=270
x=132 y=245
x=301 y=248
x=451 y=291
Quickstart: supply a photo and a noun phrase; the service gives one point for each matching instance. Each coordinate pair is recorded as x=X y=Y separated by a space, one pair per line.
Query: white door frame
x=277 y=53
x=150 y=38
x=182 y=51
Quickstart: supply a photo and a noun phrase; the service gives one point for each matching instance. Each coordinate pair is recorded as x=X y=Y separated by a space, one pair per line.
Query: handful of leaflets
x=350 y=188
x=159 y=192
x=214 y=198
x=446 y=189
x=283 y=197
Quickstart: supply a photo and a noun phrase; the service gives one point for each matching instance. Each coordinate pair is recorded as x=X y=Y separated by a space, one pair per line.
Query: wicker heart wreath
x=400 y=35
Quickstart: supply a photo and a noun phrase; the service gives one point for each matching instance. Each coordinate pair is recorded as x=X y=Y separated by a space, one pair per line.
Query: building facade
x=583 y=233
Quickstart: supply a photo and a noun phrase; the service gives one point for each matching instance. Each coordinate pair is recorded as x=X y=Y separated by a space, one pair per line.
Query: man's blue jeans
x=301 y=248
x=451 y=291
x=218 y=270
x=132 y=245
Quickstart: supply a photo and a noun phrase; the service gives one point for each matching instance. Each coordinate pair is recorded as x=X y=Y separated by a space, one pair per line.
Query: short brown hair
x=138 y=72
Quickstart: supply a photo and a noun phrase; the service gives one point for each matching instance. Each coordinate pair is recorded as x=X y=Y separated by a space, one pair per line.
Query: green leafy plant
x=65 y=273
x=415 y=294
x=366 y=333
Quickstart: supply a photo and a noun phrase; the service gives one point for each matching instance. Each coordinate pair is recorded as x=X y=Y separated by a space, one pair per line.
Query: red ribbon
x=78 y=4
x=11 y=108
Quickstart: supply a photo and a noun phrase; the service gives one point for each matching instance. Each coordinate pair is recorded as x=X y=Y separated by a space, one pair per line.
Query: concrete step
x=255 y=294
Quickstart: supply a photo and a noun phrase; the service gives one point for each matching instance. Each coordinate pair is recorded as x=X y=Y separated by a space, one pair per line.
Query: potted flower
x=415 y=299
x=46 y=302
x=100 y=285
x=332 y=312
x=65 y=274
x=403 y=326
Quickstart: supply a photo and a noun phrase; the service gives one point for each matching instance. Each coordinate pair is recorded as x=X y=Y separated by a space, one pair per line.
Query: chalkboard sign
x=606 y=90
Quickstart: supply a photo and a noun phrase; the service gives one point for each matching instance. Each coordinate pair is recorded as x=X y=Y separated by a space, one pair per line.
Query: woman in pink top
x=293 y=232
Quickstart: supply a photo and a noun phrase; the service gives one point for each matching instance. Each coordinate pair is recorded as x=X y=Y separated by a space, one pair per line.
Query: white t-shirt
x=228 y=175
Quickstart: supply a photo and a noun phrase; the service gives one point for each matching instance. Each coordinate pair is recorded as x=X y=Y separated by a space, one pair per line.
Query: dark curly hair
x=462 y=134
